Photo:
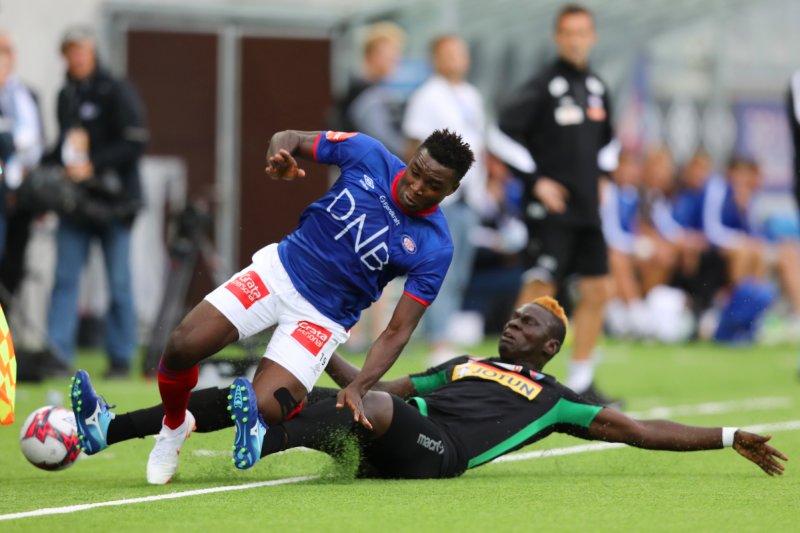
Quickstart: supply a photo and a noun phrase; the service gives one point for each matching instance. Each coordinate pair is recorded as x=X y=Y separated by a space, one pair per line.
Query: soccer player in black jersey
x=463 y=413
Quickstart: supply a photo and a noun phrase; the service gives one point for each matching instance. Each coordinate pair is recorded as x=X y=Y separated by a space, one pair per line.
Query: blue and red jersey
x=351 y=242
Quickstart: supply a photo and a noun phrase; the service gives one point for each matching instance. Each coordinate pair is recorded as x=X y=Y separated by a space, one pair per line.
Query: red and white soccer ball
x=49 y=438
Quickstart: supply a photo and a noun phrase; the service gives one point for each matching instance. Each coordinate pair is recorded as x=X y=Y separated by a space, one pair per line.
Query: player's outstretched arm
x=382 y=354
x=612 y=426
x=283 y=146
x=343 y=373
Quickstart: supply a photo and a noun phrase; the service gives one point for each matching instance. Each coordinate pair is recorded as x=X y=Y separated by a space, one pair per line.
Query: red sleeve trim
x=417 y=298
x=316 y=144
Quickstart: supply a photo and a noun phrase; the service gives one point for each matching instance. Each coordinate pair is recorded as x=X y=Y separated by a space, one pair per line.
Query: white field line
x=714 y=408
x=790 y=425
x=227 y=453
x=159 y=497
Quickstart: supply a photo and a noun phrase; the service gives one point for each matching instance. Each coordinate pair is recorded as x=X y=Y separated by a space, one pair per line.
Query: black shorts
x=414 y=447
x=557 y=250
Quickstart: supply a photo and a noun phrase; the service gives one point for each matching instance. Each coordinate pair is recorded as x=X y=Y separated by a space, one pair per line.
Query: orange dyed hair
x=552 y=305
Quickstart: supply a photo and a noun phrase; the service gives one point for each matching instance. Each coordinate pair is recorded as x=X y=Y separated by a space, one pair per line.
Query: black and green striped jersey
x=490 y=407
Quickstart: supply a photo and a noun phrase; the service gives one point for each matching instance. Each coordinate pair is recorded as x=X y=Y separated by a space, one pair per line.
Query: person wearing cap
x=102 y=135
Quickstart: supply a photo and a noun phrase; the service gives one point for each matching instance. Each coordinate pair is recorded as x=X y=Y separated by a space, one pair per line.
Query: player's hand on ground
x=552 y=194
x=282 y=165
x=755 y=448
x=351 y=397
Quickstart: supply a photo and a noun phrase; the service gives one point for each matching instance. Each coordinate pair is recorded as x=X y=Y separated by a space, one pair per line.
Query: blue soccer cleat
x=92 y=414
x=250 y=427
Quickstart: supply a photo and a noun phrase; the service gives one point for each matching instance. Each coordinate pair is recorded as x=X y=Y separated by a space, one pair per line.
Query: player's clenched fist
x=283 y=165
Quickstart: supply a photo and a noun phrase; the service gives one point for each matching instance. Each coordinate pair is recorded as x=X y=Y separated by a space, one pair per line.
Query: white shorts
x=262 y=295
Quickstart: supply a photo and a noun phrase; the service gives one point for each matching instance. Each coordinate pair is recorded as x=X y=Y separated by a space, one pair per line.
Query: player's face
x=425 y=183
x=525 y=333
x=575 y=38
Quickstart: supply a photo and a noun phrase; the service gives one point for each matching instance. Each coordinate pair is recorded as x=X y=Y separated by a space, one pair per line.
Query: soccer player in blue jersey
x=379 y=220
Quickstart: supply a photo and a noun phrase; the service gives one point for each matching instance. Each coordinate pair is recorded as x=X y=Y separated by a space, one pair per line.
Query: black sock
x=320 y=426
x=136 y=424
x=209 y=407
x=320 y=393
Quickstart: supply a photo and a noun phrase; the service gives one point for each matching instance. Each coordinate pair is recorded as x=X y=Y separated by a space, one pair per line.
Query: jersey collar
x=397 y=200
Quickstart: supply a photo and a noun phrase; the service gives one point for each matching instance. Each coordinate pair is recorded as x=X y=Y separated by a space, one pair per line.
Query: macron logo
x=368 y=183
x=311 y=336
x=248 y=288
x=428 y=443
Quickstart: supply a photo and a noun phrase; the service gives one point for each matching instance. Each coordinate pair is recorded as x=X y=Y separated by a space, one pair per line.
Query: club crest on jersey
x=248 y=288
x=511 y=380
x=408 y=244
x=311 y=336
x=594 y=85
x=368 y=183
x=339 y=136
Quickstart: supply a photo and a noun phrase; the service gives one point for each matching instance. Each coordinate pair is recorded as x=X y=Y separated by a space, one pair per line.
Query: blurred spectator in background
x=21 y=147
x=562 y=116
x=793 y=108
x=728 y=224
x=619 y=212
x=368 y=105
x=661 y=232
x=727 y=220
x=101 y=138
x=645 y=244
x=701 y=269
x=447 y=100
x=499 y=240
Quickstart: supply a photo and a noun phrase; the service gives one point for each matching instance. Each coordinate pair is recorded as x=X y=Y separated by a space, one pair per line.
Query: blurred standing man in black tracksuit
x=101 y=138
x=562 y=116
x=793 y=109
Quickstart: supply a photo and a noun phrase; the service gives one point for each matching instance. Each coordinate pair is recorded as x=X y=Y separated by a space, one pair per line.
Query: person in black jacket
x=793 y=108
x=563 y=117
x=101 y=138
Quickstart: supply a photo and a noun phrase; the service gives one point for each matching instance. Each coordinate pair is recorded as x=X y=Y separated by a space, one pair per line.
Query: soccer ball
x=49 y=438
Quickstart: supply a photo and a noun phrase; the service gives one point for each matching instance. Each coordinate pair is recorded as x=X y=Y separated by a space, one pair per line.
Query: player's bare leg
x=201 y=334
x=274 y=396
x=587 y=322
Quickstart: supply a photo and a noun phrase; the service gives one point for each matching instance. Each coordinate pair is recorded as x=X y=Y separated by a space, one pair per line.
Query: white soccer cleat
x=163 y=461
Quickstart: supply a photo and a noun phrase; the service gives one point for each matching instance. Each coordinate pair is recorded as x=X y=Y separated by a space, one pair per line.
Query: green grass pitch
x=611 y=490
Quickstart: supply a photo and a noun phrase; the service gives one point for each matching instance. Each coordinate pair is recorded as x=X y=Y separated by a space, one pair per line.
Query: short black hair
x=572 y=9
x=449 y=149
x=557 y=330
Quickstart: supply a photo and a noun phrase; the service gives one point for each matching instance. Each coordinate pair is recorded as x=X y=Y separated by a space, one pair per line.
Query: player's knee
x=379 y=409
x=183 y=349
x=596 y=292
x=277 y=406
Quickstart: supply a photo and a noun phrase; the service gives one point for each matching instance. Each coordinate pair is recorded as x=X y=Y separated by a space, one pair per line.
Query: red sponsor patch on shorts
x=311 y=336
x=339 y=136
x=248 y=288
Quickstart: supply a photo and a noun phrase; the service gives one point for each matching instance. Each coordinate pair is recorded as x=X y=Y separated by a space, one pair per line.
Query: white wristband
x=727 y=436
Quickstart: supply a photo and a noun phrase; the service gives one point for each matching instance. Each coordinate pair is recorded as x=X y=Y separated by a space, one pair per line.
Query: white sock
x=580 y=375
